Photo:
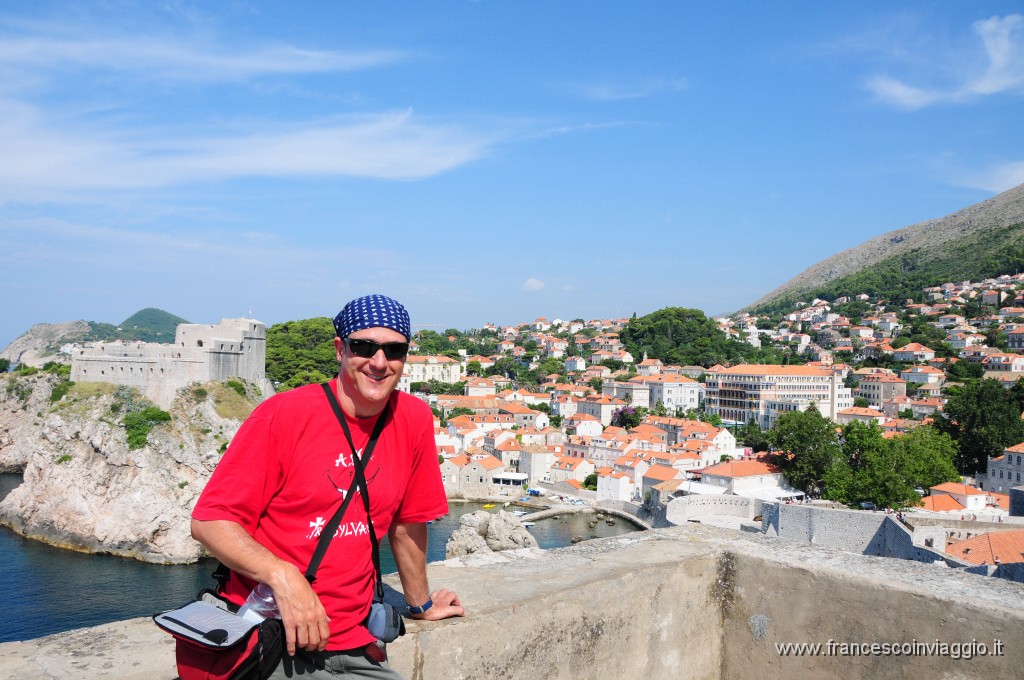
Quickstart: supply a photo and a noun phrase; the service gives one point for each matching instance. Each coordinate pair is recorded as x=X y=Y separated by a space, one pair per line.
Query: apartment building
x=879 y=388
x=762 y=393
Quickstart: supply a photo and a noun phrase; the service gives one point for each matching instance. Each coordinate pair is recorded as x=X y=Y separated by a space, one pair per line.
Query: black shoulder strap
x=359 y=481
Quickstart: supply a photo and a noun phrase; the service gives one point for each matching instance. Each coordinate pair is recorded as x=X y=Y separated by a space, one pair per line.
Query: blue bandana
x=372 y=311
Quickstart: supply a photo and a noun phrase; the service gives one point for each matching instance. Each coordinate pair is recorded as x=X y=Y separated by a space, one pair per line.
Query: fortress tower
x=234 y=348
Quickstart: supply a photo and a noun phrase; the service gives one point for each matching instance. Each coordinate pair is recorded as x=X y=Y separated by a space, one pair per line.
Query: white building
x=762 y=393
x=423 y=368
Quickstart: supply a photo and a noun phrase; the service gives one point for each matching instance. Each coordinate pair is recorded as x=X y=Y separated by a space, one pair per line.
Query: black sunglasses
x=368 y=348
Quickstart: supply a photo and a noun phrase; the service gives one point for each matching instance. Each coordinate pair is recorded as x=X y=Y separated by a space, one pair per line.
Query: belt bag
x=384 y=622
x=213 y=643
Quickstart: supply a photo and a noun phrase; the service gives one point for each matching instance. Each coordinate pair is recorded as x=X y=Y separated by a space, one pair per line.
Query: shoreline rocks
x=484 y=532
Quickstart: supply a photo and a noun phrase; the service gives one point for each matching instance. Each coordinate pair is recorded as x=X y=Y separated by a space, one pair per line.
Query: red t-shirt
x=285 y=475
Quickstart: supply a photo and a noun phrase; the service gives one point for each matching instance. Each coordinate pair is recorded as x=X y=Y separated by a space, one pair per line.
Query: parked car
x=867 y=505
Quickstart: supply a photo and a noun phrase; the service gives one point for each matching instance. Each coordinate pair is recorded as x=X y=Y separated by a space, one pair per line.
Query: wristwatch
x=422 y=608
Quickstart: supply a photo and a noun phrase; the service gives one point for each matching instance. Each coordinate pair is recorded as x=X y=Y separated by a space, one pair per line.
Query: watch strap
x=422 y=608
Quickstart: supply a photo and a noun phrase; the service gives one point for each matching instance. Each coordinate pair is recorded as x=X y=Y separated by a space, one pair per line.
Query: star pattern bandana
x=372 y=311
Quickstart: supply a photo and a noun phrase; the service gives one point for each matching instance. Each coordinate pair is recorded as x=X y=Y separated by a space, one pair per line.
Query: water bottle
x=260 y=605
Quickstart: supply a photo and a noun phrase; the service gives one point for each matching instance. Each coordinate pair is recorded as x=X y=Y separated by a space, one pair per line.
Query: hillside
x=920 y=255
x=41 y=342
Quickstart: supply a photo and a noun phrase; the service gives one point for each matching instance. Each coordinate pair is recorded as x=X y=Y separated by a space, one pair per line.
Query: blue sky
x=480 y=161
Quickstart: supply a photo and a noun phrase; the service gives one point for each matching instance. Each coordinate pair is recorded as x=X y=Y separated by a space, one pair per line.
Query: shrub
x=60 y=389
x=57 y=368
x=63 y=459
x=237 y=385
x=138 y=424
x=199 y=393
x=18 y=390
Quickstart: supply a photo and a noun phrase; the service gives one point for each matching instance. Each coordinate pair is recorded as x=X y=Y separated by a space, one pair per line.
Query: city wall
x=686 y=602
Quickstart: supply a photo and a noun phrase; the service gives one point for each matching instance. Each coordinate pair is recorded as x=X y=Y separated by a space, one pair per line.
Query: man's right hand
x=306 y=624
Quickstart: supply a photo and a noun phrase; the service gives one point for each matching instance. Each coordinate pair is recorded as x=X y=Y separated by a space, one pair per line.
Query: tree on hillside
x=676 y=335
x=983 y=418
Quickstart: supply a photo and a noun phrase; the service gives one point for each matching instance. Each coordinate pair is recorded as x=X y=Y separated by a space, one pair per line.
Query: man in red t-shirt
x=287 y=472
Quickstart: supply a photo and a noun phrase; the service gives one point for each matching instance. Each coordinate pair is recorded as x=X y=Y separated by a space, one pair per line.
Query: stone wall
x=854 y=531
x=681 y=509
x=688 y=602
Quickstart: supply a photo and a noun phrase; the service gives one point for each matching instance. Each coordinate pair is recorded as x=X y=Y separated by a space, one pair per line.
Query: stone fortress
x=233 y=348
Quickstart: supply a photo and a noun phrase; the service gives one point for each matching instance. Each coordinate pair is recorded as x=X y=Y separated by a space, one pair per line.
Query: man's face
x=369 y=382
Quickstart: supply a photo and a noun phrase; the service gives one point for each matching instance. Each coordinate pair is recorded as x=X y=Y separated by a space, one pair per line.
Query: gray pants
x=322 y=665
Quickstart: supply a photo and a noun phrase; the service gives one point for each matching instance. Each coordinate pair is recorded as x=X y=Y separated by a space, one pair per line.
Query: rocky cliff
x=85 y=489
x=39 y=344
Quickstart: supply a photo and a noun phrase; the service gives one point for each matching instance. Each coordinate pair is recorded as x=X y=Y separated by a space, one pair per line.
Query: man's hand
x=305 y=621
x=446 y=605
x=306 y=624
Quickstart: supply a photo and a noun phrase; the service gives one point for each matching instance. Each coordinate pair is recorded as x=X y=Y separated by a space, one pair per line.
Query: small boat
x=529 y=524
x=488 y=506
x=610 y=522
x=519 y=513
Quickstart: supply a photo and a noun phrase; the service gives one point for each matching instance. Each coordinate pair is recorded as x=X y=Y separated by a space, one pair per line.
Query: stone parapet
x=685 y=602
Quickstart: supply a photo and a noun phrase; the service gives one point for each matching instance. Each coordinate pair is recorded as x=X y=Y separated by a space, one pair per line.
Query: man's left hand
x=446 y=605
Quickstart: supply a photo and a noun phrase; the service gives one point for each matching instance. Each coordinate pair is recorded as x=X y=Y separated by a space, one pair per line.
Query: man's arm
x=305 y=621
x=409 y=546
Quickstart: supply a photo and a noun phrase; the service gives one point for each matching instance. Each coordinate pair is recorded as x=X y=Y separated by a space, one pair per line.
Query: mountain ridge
x=925 y=240
x=42 y=341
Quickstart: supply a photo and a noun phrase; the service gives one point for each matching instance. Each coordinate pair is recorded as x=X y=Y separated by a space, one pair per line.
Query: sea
x=48 y=590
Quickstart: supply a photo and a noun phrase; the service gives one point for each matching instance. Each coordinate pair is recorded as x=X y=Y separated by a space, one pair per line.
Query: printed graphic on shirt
x=340 y=478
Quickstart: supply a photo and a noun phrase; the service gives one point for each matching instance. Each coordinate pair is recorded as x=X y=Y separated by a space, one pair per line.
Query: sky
x=482 y=162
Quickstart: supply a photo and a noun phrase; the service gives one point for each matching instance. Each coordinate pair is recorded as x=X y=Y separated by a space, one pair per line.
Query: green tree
x=751 y=435
x=5 y=365
x=595 y=384
x=301 y=352
x=965 y=370
x=590 y=482
x=983 y=419
x=860 y=402
x=807 y=446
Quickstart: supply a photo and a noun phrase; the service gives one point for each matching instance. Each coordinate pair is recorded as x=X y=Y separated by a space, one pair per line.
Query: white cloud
x=155 y=58
x=44 y=159
x=1000 y=71
x=533 y=285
